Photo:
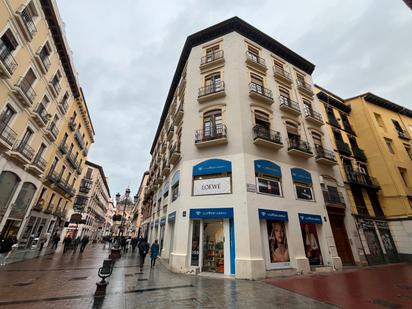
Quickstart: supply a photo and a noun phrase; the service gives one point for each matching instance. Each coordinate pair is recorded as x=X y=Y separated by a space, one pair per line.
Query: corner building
x=240 y=160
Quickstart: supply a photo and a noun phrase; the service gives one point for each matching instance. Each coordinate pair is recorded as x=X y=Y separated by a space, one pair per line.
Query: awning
x=308 y=218
x=300 y=175
x=211 y=213
x=267 y=168
x=275 y=215
x=175 y=178
x=171 y=217
x=212 y=166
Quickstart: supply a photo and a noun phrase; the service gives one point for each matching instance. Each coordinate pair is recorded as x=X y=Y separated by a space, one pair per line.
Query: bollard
x=104 y=272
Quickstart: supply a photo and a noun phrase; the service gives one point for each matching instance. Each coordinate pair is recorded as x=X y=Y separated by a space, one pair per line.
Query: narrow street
x=68 y=281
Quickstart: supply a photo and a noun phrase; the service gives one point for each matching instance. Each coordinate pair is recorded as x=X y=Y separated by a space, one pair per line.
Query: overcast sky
x=126 y=52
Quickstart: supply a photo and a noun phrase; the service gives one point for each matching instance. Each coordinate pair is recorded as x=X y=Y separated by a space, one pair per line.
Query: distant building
x=137 y=211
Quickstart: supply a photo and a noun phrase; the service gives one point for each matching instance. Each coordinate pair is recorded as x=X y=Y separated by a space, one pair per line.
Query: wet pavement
x=69 y=281
x=387 y=286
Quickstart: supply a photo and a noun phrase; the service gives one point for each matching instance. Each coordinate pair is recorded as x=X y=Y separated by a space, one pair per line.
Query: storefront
x=162 y=233
x=171 y=219
x=309 y=224
x=212 y=246
x=273 y=226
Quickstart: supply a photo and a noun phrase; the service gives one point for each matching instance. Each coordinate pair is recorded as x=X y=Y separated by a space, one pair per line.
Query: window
x=399 y=129
x=44 y=55
x=211 y=53
x=404 y=175
x=6 y=116
x=292 y=130
x=331 y=117
x=345 y=121
x=268 y=185
x=62 y=172
x=359 y=201
x=26 y=137
x=304 y=191
x=408 y=150
x=54 y=164
x=363 y=169
x=50 y=204
x=45 y=101
x=389 y=145
x=379 y=120
x=307 y=107
x=317 y=139
x=175 y=191
x=8 y=42
x=256 y=83
x=212 y=123
x=28 y=80
x=253 y=53
x=262 y=119
x=41 y=150
x=278 y=66
x=56 y=81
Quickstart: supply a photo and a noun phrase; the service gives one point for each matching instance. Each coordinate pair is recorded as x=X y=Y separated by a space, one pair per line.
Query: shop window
x=195 y=253
x=212 y=176
x=303 y=191
x=268 y=185
x=8 y=184
x=302 y=180
x=311 y=243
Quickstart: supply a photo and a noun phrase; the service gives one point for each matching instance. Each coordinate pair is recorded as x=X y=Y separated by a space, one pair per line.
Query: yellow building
x=372 y=175
x=45 y=127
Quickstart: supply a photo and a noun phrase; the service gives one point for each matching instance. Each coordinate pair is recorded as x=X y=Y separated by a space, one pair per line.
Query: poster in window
x=268 y=186
x=311 y=243
x=304 y=193
x=278 y=245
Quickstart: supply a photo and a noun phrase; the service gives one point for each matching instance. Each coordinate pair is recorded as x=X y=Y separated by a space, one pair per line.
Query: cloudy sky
x=126 y=52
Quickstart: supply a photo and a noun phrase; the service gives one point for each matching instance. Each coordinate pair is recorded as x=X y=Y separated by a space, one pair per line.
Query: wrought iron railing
x=311 y=113
x=24 y=149
x=210 y=57
x=343 y=147
x=42 y=112
x=7 y=58
x=324 y=153
x=212 y=88
x=302 y=84
x=6 y=133
x=255 y=58
x=267 y=134
x=40 y=163
x=359 y=178
x=298 y=144
x=281 y=72
x=259 y=89
x=28 y=21
x=211 y=133
x=333 y=197
x=53 y=129
x=27 y=89
x=287 y=102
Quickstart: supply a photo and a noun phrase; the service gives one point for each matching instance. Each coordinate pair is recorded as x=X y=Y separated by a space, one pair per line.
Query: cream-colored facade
x=93 y=202
x=241 y=152
x=137 y=211
x=46 y=130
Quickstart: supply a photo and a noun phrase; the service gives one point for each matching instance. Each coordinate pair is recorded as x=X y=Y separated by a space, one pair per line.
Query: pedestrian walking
x=75 y=243
x=56 y=239
x=143 y=249
x=128 y=242
x=123 y=243
x=7 y=246
x=134 y=243
x=85 y=241
x=154 y=252
x=110 y=241
x=67 y=243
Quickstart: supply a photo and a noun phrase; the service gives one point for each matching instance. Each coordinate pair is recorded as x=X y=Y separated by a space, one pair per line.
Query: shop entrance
x=341 y=239
x=213 y=246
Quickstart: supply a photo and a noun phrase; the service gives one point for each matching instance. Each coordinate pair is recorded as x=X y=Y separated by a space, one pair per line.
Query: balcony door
x=212 y=123
x=26 y=137
x=293 y=133
x=213 y=82
x=6 y=116
x=256 y=83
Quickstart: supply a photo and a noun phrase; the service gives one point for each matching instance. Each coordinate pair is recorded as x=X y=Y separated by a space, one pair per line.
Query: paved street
x=68 y=281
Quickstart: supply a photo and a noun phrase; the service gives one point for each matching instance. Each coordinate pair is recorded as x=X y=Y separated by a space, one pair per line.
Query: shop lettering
x=211 y=186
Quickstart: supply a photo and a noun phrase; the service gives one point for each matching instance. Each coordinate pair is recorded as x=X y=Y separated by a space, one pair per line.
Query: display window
x=278 y=245
x=303 y=191
x=195 y=244
x=311 y=243
x=268 y=185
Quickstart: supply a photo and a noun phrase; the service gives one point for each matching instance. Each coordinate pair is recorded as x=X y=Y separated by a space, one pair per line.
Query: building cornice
x=374 y=99
x=100 y=168
x=332 y=99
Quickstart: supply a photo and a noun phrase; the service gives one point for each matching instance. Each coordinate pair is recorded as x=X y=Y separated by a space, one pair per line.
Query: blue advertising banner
x=211 y=213
x=171 y=217
x=212 y=166
x=163 y=221
x=175 y=178
x=275 y=215
x=300 y=175
x=268 y=168
x=308 y=218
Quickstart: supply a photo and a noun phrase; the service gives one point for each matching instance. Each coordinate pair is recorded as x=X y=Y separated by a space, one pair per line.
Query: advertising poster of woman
x=311 y=243
x=278 y=246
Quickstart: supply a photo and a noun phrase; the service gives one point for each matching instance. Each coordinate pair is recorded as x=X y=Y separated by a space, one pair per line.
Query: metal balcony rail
x=53 y=129
x=359 y=178
x=281 y=72
x=210 y=57
x=56 y=85
x=211 y=133
x=79 y=139
x=358 y=153
x=343 y=147
x=6 y=133
x=259 y=89
x=313 y=114
x=301 y=83
x=402 y=134
x=64 y=105
x=333 y=197
x=324 y=153
x=267 y=134
x=44 y=58
x=7 y=58
x=72 y=160
x=72 y=124
x=212 y=88
x=24 y=149
x=298 y=144
x=27 y=89
x=42 y=112
x=53 y=176
x=333 y=121
x=40 y=163
x=255 y=58
x=285 y=101
x=28 y=21
x=347 y=126
x=63 y=148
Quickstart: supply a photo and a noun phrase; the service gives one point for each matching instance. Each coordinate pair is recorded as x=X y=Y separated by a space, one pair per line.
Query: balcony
x=333 y=121
x=7 y=63
x=214 y=135
x=265 y=137
x=26 y=23
x=260 y=93
x=65 y=188
x=343 y=148
x=73 y=161
x=175 y=154
x=402 y=134
x=61 y=213
x=85 y=185
x=314 y=117
x=54 y=88
x=22 y=152
x=79 y=169
x=333 y=198
x=63 y=148
x=53 y=178
x=63 y=106
x=79 y=139
x=299 y=148
x=178 y=116
x=7 y=136
x=40 y=115
x=359 y=154
x=80 y=202
x=357 y=178
x=289 y=106
x=256 y=62
x=24 y=92
x=85 y=151
x=324 y=156
x=304 y=87
x=72 y=124
x=170 y=132
x=52 y=132
x=347 y=126
x=166 y=168
x=38 y=166
x=211 y=60
x=42 y=60
x=282 y=76
x=211 y=92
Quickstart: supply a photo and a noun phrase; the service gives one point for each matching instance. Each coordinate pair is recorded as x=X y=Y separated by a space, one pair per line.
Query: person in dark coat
x=56 y=240
x=123 y=243
x=67 y=243
x=75 y=243
x=85 y=241
x=134 y=243
x=143 y=249
x=154 y=252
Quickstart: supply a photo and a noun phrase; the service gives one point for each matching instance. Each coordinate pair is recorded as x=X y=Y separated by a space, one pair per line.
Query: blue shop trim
x=162 y=221
x=268 y=168
x=300 y=175
x=171 y=217
x=212 y=166
x=275 y=215
x=308 y=218
x=205 y=213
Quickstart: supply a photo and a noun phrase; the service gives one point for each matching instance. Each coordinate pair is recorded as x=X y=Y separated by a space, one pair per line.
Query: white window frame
x=300 y=184
x=272 y=179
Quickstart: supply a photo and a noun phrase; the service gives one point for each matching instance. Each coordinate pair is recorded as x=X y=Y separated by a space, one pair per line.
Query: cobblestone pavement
x=69 y=281
x=385 y=286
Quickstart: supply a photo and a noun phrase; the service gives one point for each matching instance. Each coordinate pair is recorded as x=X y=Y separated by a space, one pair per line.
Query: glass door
x=213 y=247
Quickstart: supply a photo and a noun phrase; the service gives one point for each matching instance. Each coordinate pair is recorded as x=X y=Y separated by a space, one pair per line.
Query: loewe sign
x=211 y=186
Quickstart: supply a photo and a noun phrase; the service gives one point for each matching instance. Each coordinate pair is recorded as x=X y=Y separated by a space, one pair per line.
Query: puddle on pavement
x=23 y=283
x=78 y=278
